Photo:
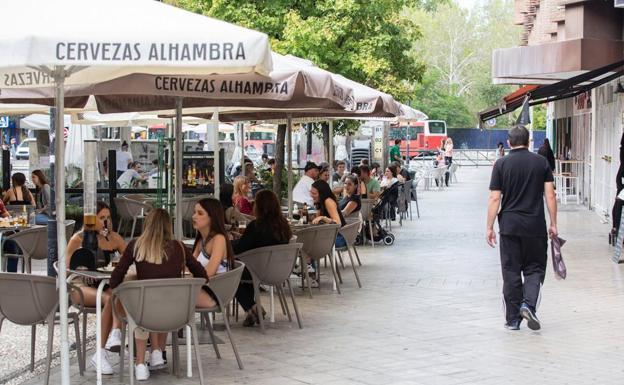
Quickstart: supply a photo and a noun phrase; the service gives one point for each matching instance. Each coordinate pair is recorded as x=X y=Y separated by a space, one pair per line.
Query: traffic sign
x=491 y=122
x=4 y=121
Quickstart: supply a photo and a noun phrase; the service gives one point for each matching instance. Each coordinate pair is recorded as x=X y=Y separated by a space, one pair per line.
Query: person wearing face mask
x=109 y=242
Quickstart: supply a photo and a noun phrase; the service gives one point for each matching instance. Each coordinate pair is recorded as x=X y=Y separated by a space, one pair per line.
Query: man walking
x=522 y=179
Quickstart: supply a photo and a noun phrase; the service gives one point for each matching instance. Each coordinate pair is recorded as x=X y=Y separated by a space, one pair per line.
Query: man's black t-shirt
x=520 y=177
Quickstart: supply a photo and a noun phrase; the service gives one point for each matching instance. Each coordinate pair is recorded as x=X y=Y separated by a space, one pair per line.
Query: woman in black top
x=19 y=193
x=351 y=203
x=268 y=229
x=327 y=207
x=547 y=153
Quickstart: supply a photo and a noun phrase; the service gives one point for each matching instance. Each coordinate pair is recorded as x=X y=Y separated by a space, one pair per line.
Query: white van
x=22 y=151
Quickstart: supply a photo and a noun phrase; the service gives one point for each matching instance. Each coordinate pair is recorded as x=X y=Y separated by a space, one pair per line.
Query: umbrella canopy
x=110 y=39
x=125 y=119
x=23 y=109
x=367 y=102
x=78 y=133
x=291 y=84
x=40 y=122
x=80 y=42
x=409 y=113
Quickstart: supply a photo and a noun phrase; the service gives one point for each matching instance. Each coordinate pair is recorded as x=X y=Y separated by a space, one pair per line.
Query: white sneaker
x=106 y=366
x=113 y=343
x=314 y=283
x=156 y=360
x=141 y=373
x=311 y=269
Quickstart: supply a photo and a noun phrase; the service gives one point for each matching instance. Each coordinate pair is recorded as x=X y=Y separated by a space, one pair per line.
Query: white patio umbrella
x=77 y=134
x=81 y=42
x=23 y=109
x=40 y=122
x=126 y=119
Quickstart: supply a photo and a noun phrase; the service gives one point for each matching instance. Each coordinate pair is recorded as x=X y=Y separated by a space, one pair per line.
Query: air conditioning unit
x=618 y=3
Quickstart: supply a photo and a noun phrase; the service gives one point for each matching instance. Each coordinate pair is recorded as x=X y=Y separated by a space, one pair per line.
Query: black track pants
x=522 y=257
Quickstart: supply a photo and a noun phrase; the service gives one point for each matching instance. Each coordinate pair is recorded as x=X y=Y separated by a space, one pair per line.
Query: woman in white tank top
x=212 y=247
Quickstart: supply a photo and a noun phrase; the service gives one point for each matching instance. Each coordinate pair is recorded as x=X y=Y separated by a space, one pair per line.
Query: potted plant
x=74 y=212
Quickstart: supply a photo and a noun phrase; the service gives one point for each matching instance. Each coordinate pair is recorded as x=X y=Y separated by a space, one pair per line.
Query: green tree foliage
x=366 y=41
x=457 y=47
x=539 y=117
x=440 y=104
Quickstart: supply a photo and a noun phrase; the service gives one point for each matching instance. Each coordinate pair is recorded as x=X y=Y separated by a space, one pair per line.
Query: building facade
x=560 y=41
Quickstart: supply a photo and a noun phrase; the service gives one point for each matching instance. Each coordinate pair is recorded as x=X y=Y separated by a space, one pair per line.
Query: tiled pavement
x=430 y=313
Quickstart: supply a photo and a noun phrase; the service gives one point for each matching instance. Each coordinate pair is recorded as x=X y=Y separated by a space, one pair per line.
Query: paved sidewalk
x=430 y=312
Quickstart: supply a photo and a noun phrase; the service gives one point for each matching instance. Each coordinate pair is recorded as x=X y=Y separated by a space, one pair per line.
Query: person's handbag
x=557 y=259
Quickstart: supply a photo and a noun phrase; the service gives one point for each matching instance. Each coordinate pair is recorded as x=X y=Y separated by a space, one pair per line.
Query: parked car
x=22 y=151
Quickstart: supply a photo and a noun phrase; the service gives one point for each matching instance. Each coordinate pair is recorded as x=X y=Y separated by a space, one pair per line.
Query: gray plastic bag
x=557 y=259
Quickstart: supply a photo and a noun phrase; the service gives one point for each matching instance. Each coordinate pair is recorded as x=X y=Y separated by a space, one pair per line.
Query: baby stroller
x=385 y=204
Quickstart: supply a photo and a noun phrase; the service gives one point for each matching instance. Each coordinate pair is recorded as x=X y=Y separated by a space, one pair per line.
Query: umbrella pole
x=217 y=159
x=170 y=161
x=178 y=170
x=330 y=155
x=59 y=96
x=241 y=138
x=289 y=167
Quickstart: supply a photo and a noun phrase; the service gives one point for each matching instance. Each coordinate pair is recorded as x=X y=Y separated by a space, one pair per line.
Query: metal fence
x=462 y=157
x=474 y=158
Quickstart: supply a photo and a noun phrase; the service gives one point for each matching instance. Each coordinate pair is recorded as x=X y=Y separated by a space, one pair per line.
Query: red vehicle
x=260 y=139
x=418 y=137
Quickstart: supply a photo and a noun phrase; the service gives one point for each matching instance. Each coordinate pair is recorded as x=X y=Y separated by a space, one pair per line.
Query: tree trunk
x=280 y=149
x=325 y=132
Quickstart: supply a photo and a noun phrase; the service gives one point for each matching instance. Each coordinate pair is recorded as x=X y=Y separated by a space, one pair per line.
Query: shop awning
x=564 y=89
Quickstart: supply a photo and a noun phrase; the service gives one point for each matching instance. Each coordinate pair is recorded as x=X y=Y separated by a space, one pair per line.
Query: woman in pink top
x=239 y=198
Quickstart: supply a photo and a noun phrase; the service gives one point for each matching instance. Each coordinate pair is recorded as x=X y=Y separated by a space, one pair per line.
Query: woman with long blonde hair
x=157 y=255
x=241 y=190
x=448 y=151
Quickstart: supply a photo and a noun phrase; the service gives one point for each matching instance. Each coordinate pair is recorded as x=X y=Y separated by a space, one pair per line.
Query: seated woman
x=324 y=172
x=232 y=215
x=239 y=197
x=157 y=255
x=212 y=248
x=109 y=242
x=351 y=203
x=390 y=177
x=360 y=185
x=269 y=228
x=19 y=193
x=42 y=197
x=327 y=207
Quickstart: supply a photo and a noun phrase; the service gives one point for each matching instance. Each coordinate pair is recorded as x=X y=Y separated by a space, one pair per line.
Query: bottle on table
x=304 y=213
